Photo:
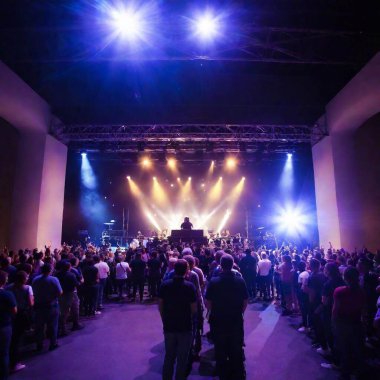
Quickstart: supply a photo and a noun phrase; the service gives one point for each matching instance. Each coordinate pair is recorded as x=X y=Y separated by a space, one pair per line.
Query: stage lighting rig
x=231 y=163
x=172 y=163
x=132 y=23
x=207 y=26
x=146 y=162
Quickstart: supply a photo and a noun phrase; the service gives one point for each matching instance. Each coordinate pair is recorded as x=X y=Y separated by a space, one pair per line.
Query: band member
x=186 y=225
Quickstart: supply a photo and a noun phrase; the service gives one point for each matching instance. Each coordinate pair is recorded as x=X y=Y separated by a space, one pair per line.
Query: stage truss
x=192 y=139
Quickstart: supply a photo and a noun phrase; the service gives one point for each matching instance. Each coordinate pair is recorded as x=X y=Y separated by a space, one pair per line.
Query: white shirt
x=264 y=267
x=302 y=278
x=122 y=270
x=103 y=269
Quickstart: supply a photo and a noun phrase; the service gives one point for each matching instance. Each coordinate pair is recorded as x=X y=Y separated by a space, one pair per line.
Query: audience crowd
x=335 y=293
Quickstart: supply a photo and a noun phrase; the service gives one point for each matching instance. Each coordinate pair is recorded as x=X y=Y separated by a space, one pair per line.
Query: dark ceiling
x=54 y=47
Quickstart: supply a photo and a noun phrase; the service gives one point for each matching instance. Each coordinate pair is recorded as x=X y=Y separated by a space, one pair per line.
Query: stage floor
x=126 y=342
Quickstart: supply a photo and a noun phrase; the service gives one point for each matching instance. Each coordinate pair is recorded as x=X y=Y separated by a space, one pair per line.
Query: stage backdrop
x=98 y=191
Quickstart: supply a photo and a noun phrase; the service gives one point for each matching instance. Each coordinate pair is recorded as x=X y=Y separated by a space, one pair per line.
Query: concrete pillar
x=367 y=143
x=8 y=152
x=346 y=176
x=38 y=193
x=325 y=193
x=38 y=190
x=52 y=193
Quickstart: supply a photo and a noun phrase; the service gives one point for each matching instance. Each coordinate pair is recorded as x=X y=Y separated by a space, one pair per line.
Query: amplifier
x=187 y=236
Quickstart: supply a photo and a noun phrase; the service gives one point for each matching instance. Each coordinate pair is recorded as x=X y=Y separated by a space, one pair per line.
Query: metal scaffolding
x=189 y=138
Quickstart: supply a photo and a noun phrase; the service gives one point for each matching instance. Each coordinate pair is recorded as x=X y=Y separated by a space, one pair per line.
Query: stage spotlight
x=154 y=179
x=189 y=178
x=292 y=221
x=129 y=23
x=203 y=185
x=207 y=26
x=231 y=163
x=220 y=178
x=178 y=179
x=243 y=178
x=84 y=154
x=172 y=185
x=289 y=155
x=146 y=162
x=128 y=177
x=172 y=163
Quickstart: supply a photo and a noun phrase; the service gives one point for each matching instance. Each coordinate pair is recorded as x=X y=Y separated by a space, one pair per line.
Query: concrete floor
x=126 y=342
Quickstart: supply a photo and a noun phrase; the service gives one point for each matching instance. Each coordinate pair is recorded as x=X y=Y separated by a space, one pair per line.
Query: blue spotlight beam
x=91 y=202
x=88 y=178
x=286 y=184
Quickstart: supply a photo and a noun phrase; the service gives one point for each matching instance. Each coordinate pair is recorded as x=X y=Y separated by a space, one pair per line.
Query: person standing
x=104 y=271
x=315 y=285
x=347 y=315
x=46 y=289
x=69 y=301
x=138 y=276
x=8 y=308
x=186 y=225
x=248 y=268
x=226 y=300
x=177 y=301
x=286 y=276
x=303 y=296
x=122 y=272
x=90 y=288
x=154 y=275
x=265 y=266
x=21 y=322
